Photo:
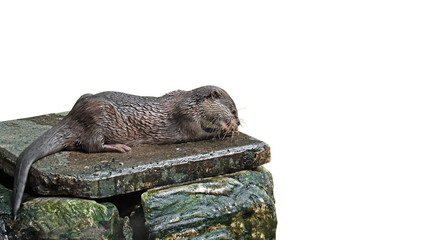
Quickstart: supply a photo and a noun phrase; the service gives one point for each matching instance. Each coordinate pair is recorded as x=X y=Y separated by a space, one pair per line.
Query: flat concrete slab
x=99 y=175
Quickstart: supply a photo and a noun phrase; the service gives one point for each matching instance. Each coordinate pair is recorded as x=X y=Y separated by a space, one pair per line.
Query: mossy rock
x=5 y=200
x=5 y=211
x=233 y=206
x=67 y=218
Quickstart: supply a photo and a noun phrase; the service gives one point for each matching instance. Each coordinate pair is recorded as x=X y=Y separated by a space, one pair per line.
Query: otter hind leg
x=97 y=144
x=116 y=148
x=101 y=147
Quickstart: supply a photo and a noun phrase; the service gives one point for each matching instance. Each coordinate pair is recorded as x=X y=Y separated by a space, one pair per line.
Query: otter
x=115 y=121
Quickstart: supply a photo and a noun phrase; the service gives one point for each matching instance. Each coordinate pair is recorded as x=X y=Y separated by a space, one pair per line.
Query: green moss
x=260 y=223
x=233 y=206
x=5 y=200
x=66 y=218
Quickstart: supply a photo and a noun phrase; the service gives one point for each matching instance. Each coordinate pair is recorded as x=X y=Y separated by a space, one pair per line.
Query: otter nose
x=234 y=125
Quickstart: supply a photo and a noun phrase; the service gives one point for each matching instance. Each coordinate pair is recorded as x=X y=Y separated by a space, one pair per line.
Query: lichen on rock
x=67 y=218
x=5 y=200
x=232 y=206
x=5 y=211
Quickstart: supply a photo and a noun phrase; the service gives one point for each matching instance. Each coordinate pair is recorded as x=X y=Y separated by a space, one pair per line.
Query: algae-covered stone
x=5 y=200
x=127 y=230
x=5 y=211
x=233 y=206
x=67 y=218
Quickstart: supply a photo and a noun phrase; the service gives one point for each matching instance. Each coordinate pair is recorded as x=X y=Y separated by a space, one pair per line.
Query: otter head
x=217 y=110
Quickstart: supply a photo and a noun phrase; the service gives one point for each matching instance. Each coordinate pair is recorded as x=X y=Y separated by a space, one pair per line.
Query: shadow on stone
x=129 y=205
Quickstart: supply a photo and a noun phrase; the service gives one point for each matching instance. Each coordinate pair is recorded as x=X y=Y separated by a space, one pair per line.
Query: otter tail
x=50 y=142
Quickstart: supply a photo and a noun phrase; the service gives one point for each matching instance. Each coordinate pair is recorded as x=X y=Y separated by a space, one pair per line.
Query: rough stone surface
x=67 y=218
x=127 y=230
x=233 y=206
x=108 y=174
x=5 y=211
x=225 y=200
x=5 y=200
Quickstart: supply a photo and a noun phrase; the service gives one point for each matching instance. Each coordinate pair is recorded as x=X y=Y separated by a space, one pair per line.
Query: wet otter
x=114 y=121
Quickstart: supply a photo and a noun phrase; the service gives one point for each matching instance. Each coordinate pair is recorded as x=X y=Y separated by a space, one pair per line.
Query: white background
x=349 y=94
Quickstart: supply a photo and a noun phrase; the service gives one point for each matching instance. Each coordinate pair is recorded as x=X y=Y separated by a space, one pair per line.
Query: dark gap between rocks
x=129 y=205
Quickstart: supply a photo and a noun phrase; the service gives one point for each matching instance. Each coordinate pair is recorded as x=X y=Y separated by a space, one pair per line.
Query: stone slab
x=101 y=175
x=232 y=206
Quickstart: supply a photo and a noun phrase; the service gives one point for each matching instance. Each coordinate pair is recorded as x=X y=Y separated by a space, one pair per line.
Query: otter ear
x=214 y=94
